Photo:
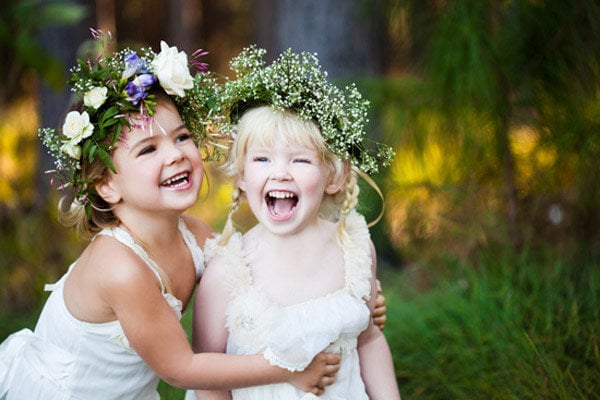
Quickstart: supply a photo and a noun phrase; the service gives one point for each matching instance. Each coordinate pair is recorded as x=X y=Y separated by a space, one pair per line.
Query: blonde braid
x=229 y=229
x=352 y=191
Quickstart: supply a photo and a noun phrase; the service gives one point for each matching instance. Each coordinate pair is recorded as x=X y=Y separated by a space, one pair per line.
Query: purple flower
x=136 y=89
x=195 y=61
x=99 y=34
x=133 y=65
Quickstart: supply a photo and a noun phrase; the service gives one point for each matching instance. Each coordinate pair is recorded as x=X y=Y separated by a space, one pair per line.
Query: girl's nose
x=280 y=172
x=174 y=155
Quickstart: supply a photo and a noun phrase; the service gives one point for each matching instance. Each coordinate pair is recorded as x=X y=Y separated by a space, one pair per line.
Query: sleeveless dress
x=290 y=336
x=68 y=359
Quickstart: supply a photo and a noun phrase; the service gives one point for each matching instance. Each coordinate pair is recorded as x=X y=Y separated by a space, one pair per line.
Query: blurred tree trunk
x=345 y=34
x=183 y=18
x=499 y=66
x=470 y=78
x=106 y=18
x=64 y=43
x=224 y=31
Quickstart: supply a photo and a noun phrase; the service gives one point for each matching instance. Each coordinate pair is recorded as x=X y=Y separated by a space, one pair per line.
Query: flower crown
x=296 y=81
x=114 y=87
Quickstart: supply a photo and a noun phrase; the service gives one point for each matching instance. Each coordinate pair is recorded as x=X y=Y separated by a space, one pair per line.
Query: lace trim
x=240 y=277
x=357 y=256
x=343 y=345
x=195 y=250
x=276 y=362
x=211 y=247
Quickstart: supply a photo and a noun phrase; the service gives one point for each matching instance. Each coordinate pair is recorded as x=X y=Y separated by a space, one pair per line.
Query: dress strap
x=125 y=238
x=195 y=250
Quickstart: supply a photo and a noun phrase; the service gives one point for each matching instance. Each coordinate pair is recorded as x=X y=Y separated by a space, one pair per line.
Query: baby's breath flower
x=296 y=81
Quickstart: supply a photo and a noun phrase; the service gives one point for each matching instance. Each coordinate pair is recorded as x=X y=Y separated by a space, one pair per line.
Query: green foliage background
x=489 y=248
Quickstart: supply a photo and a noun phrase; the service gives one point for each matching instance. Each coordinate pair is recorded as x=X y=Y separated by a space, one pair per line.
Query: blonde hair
x=265 y=125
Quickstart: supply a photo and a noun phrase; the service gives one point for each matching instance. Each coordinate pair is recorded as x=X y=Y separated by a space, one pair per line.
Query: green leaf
x=116 y=135
x=111 y=122
x=105 y=157
x=86 y=146
x=110 y=113
x=101 y=133
x=92 y=152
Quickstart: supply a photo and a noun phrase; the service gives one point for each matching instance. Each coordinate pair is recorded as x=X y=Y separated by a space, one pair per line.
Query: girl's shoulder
x=105 y=275
x=115 y=263
x=226 y=263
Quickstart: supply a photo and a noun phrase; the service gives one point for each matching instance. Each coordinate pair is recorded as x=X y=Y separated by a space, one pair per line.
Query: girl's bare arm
x=376 y=365
x=156 y=334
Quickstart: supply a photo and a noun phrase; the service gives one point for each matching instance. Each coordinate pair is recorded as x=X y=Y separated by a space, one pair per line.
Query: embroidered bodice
x=290 y=336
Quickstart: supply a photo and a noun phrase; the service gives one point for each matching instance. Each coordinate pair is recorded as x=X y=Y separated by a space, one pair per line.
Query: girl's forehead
x=134 y=134
x=278 y=144
x=166 y=117
x=273 y=137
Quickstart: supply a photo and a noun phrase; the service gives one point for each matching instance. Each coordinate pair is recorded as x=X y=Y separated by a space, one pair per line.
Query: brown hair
x=100 y=214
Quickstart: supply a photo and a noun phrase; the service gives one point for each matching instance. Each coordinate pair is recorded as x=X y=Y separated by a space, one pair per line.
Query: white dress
x=290 y=336
x=68 y=359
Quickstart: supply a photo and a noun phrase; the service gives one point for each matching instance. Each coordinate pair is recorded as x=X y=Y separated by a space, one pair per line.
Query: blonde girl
x=303 y=279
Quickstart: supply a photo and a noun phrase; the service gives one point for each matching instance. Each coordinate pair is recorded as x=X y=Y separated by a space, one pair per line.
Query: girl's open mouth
x=281 y=204
x=177 y=181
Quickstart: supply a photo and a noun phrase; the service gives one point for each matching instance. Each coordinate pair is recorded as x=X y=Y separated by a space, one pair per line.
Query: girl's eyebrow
x=180 y=127
x=144 y=141
x=140 y=143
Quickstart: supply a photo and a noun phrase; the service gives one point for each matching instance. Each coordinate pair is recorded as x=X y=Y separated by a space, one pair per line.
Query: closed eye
x=303 y=160
x=147 y=150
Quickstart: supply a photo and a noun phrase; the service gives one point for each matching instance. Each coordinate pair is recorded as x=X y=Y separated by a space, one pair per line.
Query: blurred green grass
x=509 y=327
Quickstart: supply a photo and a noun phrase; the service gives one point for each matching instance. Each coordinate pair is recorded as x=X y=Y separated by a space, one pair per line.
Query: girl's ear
x=339 y=177
x=240 y=182
x=109 y=191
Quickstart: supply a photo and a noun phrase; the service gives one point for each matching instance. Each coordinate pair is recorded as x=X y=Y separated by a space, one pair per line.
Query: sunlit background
x=493 y=108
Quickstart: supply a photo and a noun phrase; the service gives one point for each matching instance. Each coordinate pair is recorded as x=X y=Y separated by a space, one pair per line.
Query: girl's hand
x=379 y=317
x=320 y=373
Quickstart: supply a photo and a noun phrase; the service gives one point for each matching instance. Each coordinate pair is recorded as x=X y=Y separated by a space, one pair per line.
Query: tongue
x=282 y=206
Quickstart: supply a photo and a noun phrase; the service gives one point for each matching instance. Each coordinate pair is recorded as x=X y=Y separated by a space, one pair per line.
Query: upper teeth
x=175 y=178
x=281 y=195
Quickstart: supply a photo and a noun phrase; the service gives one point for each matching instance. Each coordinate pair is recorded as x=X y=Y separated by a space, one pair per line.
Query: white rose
x=77 y=126
x=171 y=69
x=95 y=97
x=71 y=149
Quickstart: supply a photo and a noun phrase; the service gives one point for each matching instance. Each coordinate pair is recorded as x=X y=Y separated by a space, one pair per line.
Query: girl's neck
x=309 y=237
x=154 y=232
